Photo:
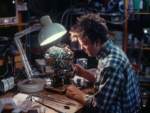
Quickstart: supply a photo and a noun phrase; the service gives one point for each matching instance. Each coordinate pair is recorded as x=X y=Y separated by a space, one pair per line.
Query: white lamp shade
x=50 y=33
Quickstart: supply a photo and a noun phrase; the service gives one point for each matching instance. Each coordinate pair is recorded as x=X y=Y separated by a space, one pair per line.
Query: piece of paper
x=22 y=97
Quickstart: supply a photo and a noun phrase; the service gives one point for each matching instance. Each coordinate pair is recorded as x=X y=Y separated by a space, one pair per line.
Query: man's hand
x=84 y=73
x=74 y=93
x=81 y=70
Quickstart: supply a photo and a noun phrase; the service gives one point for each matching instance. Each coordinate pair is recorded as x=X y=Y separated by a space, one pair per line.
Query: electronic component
x=116 y=19
x=61 y=58
x=6 y=84
x=146 y=37
x=9 y=12
x=83 y=62
x=41 y=65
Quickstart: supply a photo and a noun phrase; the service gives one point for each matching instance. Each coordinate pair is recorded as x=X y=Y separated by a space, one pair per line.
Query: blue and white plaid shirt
x=118 y=89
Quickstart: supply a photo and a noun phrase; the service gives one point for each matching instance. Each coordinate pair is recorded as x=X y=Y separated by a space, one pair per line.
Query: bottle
x=130 y=6
x=137 y=5
x=142 y=5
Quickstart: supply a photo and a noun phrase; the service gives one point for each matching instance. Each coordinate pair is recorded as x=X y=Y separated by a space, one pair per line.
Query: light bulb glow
x=53 y=38
x=6 y=20
x=145 y=31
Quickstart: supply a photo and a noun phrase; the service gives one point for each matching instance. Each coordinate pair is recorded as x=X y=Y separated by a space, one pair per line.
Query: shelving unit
x=134 y=48
x=17 y=58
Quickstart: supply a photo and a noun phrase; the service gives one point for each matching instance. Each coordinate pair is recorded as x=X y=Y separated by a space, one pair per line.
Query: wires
x=78 y=7
x=16 y=76
x=5 y=72
x=86 y=10
x=120 y=22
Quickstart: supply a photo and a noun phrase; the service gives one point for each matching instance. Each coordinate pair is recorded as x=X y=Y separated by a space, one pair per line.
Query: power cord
x=4 y=53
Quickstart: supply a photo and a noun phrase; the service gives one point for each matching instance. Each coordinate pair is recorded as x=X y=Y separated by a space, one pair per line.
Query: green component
x=147 y=5
x=136 y=5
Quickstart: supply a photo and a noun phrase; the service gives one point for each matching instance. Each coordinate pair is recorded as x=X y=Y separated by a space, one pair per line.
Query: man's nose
x=82 y=47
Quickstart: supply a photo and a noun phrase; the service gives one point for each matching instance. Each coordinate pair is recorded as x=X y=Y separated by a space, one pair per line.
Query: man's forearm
x=89 y=76
x=81 y=98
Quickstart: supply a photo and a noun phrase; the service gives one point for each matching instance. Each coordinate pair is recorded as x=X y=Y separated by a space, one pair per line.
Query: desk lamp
x=49 y=33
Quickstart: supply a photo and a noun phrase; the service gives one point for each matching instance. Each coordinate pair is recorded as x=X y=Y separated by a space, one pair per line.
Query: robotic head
x=61 y=58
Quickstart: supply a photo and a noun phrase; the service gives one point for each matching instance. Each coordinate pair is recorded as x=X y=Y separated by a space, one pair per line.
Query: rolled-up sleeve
x=110 y=85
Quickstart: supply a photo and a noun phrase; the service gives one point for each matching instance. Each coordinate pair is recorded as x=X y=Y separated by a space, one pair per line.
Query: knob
x=14 y=19
x=5 y=20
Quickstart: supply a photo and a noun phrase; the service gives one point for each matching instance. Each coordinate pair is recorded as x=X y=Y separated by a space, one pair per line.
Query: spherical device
x=61 y=59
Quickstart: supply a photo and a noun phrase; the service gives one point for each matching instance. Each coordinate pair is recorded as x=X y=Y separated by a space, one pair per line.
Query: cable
x=11 y=68
x=35 y=10
x=64 y=15
x=4 y=53
x=6 y=71
x=108 y=9
x=146 y=59
x=70 y=9
x=120 y=22
x=140 y=71
x=17 y=74
x=68 y=16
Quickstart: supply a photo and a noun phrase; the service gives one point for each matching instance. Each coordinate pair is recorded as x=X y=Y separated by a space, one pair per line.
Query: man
x=118 y=89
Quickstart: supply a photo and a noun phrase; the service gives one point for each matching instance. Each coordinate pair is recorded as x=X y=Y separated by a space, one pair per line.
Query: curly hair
x=90 y=28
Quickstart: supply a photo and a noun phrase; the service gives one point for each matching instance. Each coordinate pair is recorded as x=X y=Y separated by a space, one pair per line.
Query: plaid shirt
x=118 y=89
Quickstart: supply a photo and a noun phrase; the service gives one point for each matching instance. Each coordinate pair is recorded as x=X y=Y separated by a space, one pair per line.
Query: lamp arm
x=20 y=48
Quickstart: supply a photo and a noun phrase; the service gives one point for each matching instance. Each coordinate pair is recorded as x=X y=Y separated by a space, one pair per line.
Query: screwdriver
x=50 y=107
x=56 y=104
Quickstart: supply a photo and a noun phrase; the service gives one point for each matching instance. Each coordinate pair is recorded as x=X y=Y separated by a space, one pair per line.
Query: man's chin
x=90 y=55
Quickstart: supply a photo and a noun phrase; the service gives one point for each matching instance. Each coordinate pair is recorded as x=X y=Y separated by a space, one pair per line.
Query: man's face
x=89 y=48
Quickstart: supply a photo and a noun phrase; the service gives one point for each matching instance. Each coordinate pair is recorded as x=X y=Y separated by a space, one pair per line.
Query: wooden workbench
x=73 y=109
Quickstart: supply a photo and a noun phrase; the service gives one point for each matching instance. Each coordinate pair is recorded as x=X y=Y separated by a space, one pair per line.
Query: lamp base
x=30 y=87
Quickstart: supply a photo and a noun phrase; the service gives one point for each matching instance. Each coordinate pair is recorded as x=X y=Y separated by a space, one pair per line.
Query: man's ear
x=98 y=43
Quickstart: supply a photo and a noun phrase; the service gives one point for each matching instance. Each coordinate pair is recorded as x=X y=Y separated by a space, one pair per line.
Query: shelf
x=133 y=47
x=146 y=48
x=102 y=14
x=19 y=24
x=144 y=84
x=139 y=48
x=142 y=13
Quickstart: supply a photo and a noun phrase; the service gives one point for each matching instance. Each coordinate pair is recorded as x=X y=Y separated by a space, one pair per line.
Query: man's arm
x=85 y=74
x=76 y=94
x=112 y=84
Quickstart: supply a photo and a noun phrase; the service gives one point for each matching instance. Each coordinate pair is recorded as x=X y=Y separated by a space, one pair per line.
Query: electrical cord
x=146 y=59
x=64 y=15
x=69 y=11
x=120 y=22
x=140 y=71
x=35 y=10
x=4 y=53
x=108 y=9
x=5 y=72
x=17 y=74
x=11 y=68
